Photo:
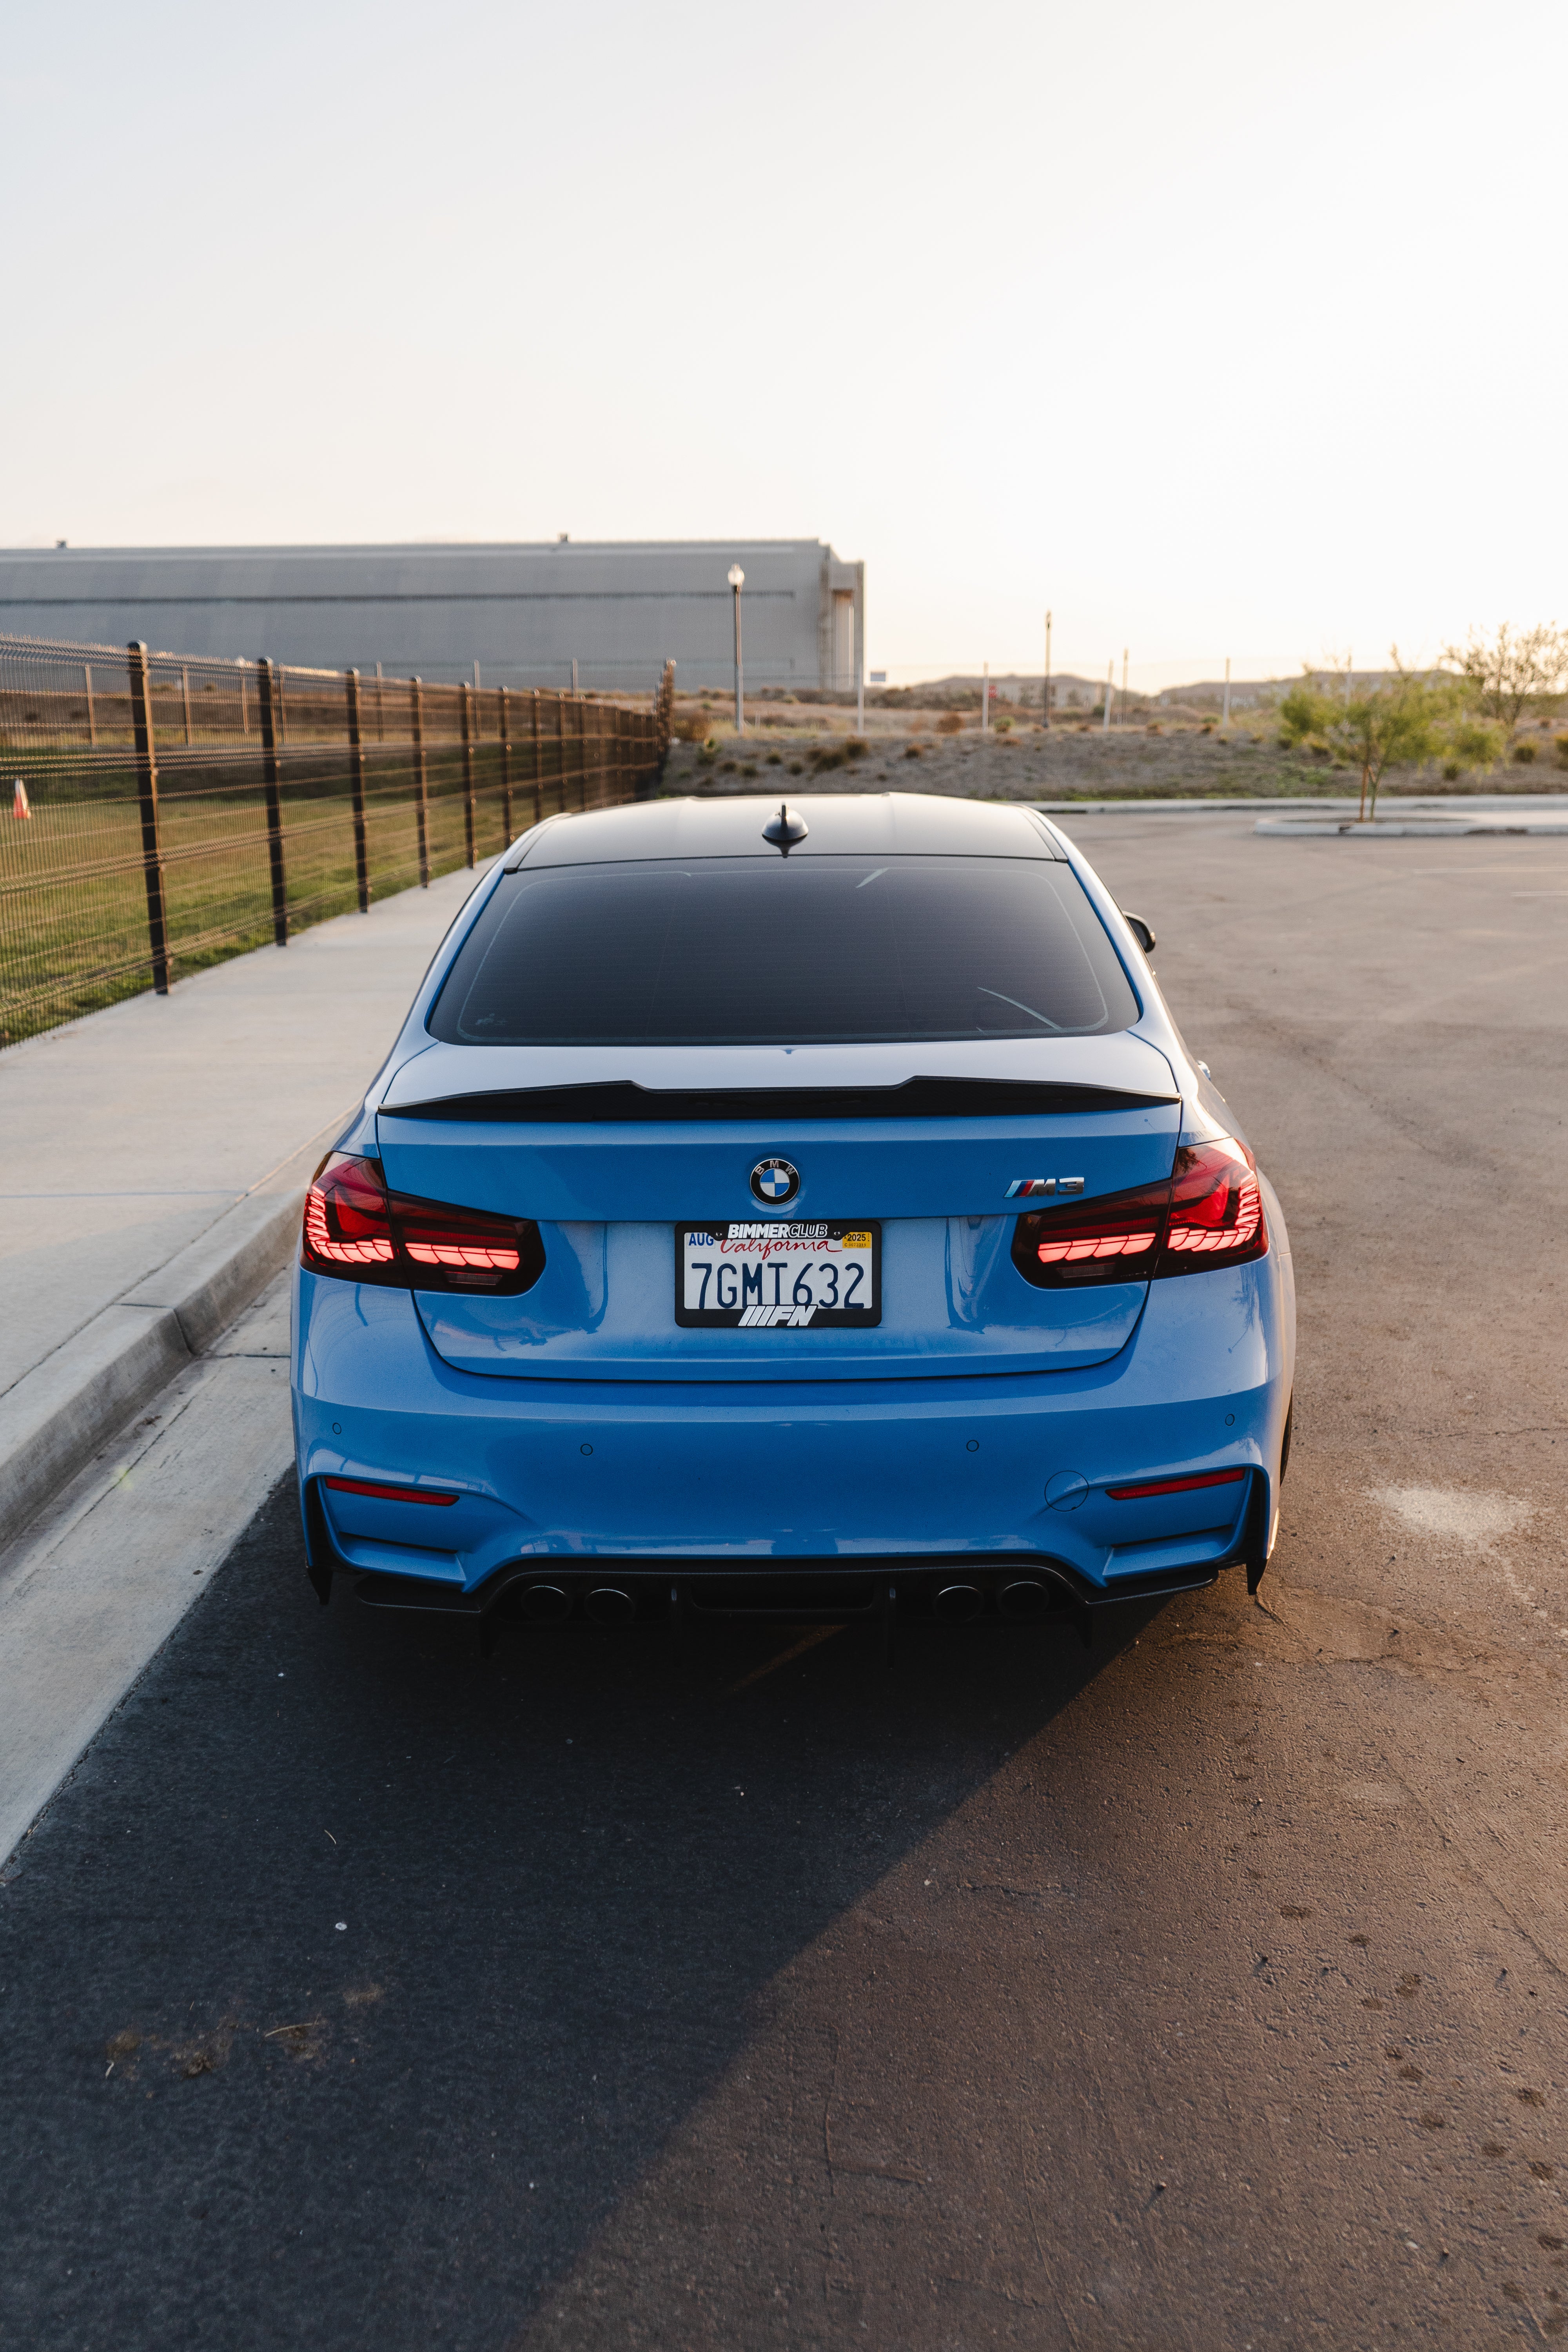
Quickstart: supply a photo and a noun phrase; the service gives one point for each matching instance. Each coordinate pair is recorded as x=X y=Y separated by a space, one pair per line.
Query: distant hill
x=1071 y=692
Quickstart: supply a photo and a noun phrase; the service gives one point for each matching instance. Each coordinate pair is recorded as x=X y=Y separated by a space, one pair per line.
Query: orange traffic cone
x=19 y=802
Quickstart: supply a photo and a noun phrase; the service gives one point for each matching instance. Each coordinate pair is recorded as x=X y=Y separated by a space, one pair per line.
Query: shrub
x=950 y=723
x=776 y=759
x=826 y=756
x=1524 y=753
x=798 y=767
x=1153 y=728
x=1207 y=727
x=856 y=746
x=914 y=751
x=690 y=726
x=726 y=767
x=1003 y=726
x=748 y=766
x=1451 y=770
x=1562 y=751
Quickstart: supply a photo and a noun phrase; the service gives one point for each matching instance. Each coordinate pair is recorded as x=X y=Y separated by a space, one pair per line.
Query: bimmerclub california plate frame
x=779 y=1274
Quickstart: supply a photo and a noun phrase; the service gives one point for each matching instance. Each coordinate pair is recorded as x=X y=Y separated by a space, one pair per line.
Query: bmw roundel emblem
x=775 y=1181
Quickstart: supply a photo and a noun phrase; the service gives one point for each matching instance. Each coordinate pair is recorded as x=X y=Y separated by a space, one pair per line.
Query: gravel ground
x=1026 y=764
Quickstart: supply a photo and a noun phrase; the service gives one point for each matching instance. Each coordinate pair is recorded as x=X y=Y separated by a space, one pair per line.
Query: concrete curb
x=59 y=1414
x=1433 y=828
x=1534 y=811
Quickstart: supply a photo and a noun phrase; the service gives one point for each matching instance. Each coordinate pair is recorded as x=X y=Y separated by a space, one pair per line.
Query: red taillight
x=452 y=1238
x=1209 y=1213
x=347 y=1220
x=386 y=1493
x=1170 y=1485
x=1217 y=1209
x=1129 y=1231
x=358 y=1230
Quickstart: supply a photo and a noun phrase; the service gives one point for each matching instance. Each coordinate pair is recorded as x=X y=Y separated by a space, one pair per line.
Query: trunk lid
x=633 y=1142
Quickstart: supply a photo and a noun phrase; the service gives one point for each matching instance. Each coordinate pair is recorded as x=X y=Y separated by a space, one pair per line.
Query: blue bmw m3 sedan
x=808 y=1210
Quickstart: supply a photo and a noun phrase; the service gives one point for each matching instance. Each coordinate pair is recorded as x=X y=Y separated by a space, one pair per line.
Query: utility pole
x=1045 y=695
x=984 y=697
x=1225 y=711
x=737 y=580
x=1124 y=686
x=1110 y=696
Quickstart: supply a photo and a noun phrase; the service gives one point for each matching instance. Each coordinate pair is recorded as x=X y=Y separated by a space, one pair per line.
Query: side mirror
x=1141 y=932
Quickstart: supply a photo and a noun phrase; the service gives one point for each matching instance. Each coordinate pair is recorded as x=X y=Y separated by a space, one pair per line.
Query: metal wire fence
x=167 y=813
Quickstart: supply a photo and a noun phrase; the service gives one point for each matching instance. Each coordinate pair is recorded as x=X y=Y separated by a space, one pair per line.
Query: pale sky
x=1219 y=329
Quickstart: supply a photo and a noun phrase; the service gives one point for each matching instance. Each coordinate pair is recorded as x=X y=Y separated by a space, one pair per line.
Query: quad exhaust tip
x=1026 y=1601
x=546 y=1604
x=608 y=1605
x=958 y=1604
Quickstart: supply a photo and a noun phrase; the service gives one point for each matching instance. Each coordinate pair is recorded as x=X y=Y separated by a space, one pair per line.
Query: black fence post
x=538 y=764
x=663 y=715
x=267 y=681
x=421 y=783
x=357 y=785
x=469 y=716
x=504 y=710
x=559 y=752
x=147 y=794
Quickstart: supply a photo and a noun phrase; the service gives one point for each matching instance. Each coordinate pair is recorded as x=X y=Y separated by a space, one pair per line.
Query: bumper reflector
x=388 y=1494
x=1164 y=1485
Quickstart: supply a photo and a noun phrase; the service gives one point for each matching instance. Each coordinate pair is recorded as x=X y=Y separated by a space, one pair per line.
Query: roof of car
x=841 y=824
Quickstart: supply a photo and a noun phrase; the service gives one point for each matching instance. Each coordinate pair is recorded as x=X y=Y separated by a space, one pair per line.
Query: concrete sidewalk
x=152 y=1162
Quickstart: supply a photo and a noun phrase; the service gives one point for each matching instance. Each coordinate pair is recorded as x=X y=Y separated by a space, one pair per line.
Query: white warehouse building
x=523 y=612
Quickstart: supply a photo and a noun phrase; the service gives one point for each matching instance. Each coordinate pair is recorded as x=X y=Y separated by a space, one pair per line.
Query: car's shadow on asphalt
x=567 y=1877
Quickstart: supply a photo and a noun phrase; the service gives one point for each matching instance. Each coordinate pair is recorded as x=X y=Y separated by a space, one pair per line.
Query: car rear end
x=722 y=1234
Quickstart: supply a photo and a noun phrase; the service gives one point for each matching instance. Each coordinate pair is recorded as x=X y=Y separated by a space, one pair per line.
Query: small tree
x=1512 y=668
x=1405 y=721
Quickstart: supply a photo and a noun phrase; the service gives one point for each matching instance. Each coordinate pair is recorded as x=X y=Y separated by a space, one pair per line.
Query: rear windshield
x=751 y=951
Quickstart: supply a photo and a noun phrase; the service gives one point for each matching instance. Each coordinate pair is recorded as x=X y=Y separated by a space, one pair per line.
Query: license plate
x=776 y=1276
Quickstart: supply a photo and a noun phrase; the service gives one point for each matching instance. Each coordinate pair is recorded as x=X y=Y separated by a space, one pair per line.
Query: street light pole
x=737 y=582
x=1045 y=697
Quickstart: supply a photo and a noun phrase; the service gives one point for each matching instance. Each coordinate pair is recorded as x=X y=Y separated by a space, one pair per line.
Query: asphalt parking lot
x=1204 y=1990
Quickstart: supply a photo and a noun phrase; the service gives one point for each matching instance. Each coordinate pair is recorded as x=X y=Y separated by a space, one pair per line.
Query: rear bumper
x=914 y=1480
x=1009 y=1588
